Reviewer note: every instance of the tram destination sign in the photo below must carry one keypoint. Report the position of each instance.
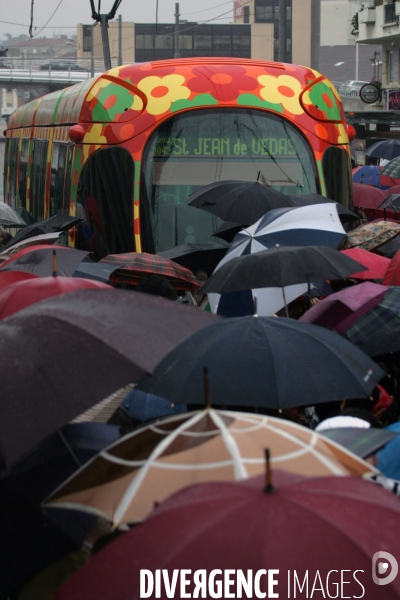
(223, 146)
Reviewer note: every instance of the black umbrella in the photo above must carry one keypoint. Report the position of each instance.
(264, 361)
(30, 539)
(384, 149)
(42, 260)
(196, 257)
(55, 223)
(389, 248)
(63, 355)
(238, 201)
(386, 341)
(228, 230)
(279, 267)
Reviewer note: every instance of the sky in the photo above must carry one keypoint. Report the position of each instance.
(15, 14)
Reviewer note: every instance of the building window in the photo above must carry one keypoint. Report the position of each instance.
(239, 42)
(222, 42)
(202, 42)
(246, 14)
(185, 42)
(144, 42)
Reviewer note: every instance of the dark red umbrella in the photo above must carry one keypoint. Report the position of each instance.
(7, 277)
(376, 265)
(132, 267)
(367, 196)
(39, 260)
(21, 294)
(394, 189)
(317, 525)
(392, 276)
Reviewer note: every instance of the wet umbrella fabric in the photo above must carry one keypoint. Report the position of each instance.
(382, 342)
(367, 196)
(7, 277)
(51, 225)
(280, 267)
(238, 201)
(264, 361)
(31, 538)
(392, 275)
(371, 235)
(65, 354)
(382, 317)
(125, 481)
(367, 175)
(145, 407)
(236, 525)
(345, 215)
(339, 310)
(376, 265)
(197, 257)
(19, 295)
(389, 248)
(44, 238)
(132, 267)
(388, 149)
(9, 217)
(39, 260)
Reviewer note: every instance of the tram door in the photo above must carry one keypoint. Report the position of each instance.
(105, 202)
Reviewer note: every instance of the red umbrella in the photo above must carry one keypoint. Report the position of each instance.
(39, 260)
(319, 525)
(395, 189)
(7, 277)
(376, 265)
(21, 294)
(367, 196)
(130, 268)
(392, 276)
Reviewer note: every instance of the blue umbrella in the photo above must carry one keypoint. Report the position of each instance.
(369, 175)
(145, 407)
(384, 149)
(389, 456)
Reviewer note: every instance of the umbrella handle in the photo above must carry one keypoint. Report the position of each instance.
(206, 381)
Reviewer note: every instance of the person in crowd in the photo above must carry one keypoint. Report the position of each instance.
(5, 237)
(200, 298)
(158, 286)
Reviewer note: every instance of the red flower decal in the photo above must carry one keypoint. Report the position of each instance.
(224, 83)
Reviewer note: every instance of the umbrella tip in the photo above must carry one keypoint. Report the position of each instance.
(206, 387)
(269, 488)
(54, 263)
(255, 307)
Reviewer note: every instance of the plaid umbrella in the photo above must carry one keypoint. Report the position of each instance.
(384, 316)
(371, 235)
(130, 268)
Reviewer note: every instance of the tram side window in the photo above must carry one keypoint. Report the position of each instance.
(22, 172)
(336, 167)
(58, 162)
(5, 166)
(13, 170)
(38, 178)
(68, 175)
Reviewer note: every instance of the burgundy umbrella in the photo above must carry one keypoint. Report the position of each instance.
(320, 525)
(340, 310)
(392, 276)
(367, 196)
(7, 277)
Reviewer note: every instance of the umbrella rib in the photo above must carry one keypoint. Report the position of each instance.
(231, 445)
(137, 481)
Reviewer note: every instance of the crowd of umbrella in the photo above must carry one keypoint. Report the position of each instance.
(79, 355)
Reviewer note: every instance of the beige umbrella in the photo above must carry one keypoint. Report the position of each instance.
(371, 235)
(125, 481)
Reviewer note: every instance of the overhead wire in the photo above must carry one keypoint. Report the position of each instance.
(49, 19)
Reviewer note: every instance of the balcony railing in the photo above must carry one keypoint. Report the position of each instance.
(390, 13)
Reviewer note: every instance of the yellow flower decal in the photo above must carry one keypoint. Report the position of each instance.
(97, 86)
(161, 92)
(343, 138)
(93, 136)
(284, 90)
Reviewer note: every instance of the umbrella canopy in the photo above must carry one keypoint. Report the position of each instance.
(228, 230)
(264, 361)
(392, 168)
(389, 248)
(65, 354)
(51, 225)
(238, 526)
(388, 149)
(145, 407)
(384, 341)
(392, 275)
(238, 201)
(367, 196)
(367, 175)
(9, 217)
(40, 260)
(382, 317)
(197, 257)
(371, 235)
(280, 267)
(376, 265)
(363, 442)
(394, 189)
(21, 294)
(7, 277)
(45, 238)
(345, 215)
(125, 481)
(338, 311)
(132, 267)
(31, 538)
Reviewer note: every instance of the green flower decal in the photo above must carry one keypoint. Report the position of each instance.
(112, 100)
(252, 100)
(200, 100)
(322, 96)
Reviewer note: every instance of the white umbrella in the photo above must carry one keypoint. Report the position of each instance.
(9, 217)
(318, 224)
